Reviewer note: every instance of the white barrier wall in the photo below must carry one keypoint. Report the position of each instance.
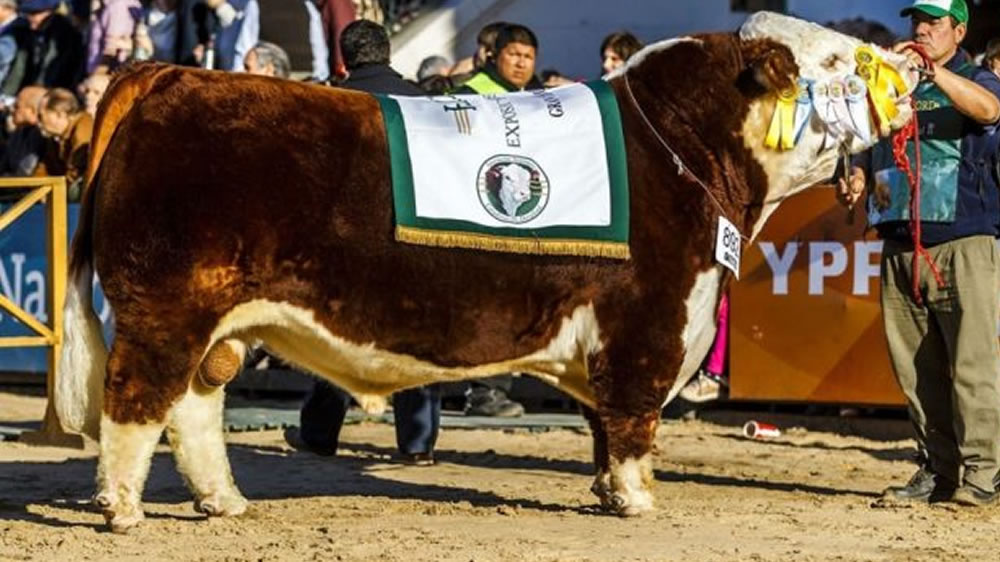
(570, 31)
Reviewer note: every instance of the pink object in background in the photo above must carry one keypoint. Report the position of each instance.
(716, 363)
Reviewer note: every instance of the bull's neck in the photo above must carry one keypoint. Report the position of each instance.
(714, 158)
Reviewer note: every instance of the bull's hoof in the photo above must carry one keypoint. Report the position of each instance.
(623, 507)
(603, 493)
(103, 501)
(222, 505)
(120, 524)
(602, 489)
(120, 517)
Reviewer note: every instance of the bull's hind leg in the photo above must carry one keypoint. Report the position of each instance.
(194, 428)
(139, 388)
(126, 452)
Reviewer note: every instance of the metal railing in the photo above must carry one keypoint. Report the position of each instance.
(51, 192)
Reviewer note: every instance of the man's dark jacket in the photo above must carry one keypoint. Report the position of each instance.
(380, 79)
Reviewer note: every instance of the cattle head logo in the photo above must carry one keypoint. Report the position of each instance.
(512, 189)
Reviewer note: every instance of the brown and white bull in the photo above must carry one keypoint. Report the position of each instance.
(228, 209)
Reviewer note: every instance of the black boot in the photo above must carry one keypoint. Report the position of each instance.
(924, 486)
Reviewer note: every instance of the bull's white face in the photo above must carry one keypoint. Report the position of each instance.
(825, 57)
(515, 187)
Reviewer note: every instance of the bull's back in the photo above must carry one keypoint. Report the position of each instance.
(239, 181)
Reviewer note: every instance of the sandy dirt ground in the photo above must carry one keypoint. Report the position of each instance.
(505, 496)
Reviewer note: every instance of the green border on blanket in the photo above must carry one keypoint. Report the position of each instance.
(606, 241)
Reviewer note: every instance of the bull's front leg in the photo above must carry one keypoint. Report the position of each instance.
(630, 446)
(602, 480)
(627, 416)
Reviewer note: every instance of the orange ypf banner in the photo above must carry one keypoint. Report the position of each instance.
(805, 324)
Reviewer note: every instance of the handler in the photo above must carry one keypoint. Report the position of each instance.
(943, 341)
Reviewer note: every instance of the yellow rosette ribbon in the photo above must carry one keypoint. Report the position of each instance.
(879, 77)
(781, 134)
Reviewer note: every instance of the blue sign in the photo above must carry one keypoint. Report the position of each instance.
(24, 280)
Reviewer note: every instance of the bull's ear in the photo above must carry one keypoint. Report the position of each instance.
(771, 64)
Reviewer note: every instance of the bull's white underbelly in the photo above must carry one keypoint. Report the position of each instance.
(699, 332)
(370, 373)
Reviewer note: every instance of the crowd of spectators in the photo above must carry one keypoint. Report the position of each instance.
(57, 58)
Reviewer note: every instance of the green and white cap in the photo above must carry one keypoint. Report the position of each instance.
(940, 8)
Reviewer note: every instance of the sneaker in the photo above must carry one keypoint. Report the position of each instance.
(973, 496)
(491, 402)
(924, 486)
(704, 387)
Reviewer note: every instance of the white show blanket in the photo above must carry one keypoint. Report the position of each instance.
(460, 148)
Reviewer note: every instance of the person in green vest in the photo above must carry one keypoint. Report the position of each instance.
(942, 338)
(511, 67)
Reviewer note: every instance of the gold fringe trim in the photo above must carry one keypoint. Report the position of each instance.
(537, 246)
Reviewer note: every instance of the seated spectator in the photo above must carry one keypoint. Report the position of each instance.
(92, 90)
(434, 65)
(432, 75)
(268, 59)
(109, 41)
(15, 42)
(57, 54)
(68, 129)
(616, 49)
(160, 33)
(26, 144)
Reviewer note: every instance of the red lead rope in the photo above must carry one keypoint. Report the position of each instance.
(903, 163)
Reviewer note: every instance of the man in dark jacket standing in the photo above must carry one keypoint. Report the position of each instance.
(365, 47)
(940, 313)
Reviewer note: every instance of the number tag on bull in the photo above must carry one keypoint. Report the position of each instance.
(727, 246)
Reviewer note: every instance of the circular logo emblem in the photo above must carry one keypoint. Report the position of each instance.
(512, 189)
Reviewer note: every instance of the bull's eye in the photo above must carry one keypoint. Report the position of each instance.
(832, 61)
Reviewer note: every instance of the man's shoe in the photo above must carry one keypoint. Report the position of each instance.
(295, 440)
(704, 387)
(924, 486)
(417, 459)
(974, 497)
(491, 402)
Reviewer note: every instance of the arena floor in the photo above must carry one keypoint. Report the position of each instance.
(515, 494)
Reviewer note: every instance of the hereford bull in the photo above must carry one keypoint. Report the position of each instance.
(228, 209)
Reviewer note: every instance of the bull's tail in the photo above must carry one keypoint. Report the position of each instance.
(79, 379)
